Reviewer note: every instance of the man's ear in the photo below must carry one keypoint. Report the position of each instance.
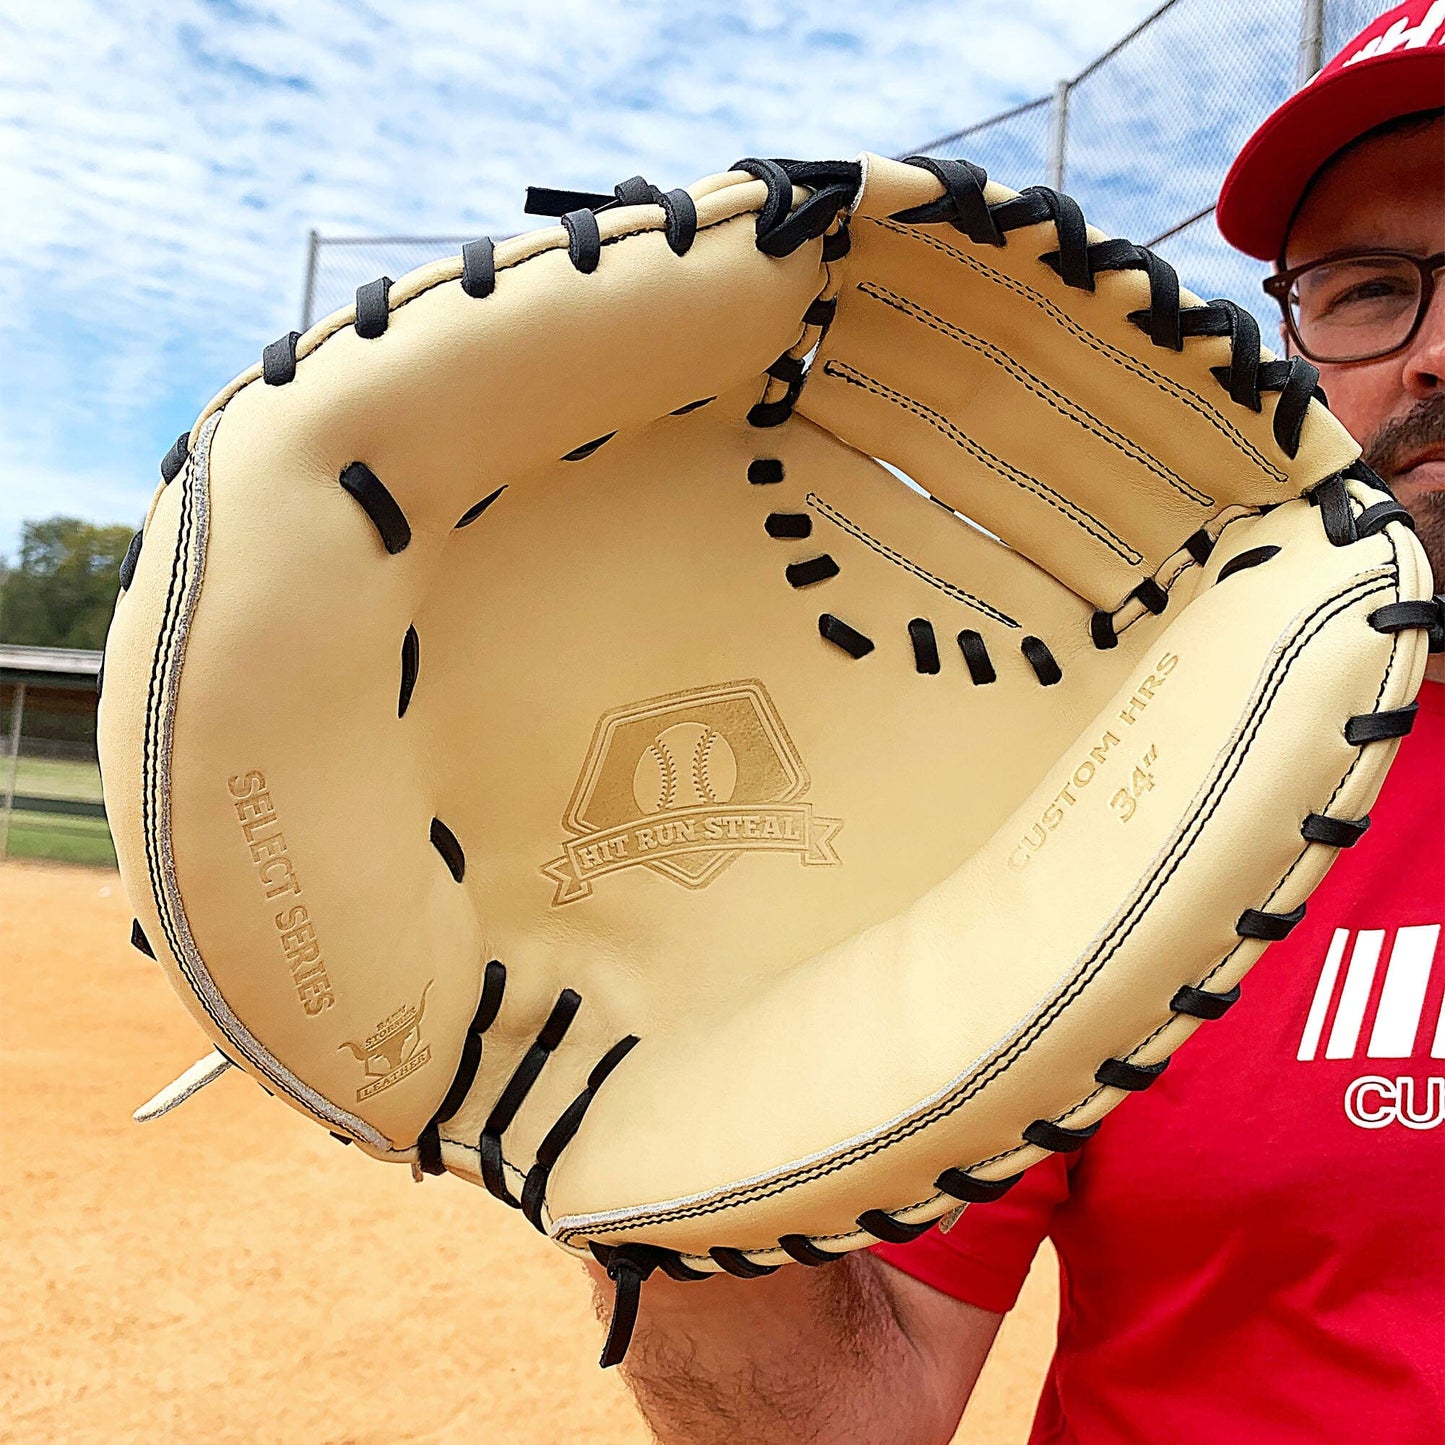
(1283, 339)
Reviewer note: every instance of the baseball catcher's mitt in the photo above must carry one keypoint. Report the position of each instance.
(740, 720)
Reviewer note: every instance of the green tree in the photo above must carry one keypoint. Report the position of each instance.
(61, 589)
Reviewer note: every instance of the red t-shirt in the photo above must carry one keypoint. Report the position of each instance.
(1254, 1249)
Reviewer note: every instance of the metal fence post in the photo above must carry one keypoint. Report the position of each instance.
(12, 766)
(308, 298)
(1311, 41)
(1059, 134)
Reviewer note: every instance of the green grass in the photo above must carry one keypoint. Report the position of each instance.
(55, 779)
(60, 839)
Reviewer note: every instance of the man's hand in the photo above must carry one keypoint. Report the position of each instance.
(855, 1351)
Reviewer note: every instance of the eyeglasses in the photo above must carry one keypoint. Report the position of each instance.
(1357, 307)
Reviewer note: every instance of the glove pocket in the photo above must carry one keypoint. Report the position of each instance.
(1013, 1005)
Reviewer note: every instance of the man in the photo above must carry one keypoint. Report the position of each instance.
(1255, 1249)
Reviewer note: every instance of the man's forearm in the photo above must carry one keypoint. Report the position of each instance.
(804, 1355)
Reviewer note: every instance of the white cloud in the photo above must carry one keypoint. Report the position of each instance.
(163, 160)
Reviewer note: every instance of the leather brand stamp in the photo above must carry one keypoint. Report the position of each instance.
(686, 784)
(393, 1050)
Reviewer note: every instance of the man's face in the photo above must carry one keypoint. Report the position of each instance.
(1389, 193)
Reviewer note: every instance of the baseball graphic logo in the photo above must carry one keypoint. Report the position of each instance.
(684, 786)
(687, 765)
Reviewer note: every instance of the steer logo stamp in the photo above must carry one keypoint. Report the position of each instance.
(392, 1050)
(684, 785)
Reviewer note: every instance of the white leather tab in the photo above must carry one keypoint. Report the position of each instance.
(202, 1072)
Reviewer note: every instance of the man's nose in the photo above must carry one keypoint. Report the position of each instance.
(1425, 360)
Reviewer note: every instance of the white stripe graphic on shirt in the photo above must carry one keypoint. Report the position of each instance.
(1356, 994)
(1402, 999)
(1403, 988)
(1437, 1049)
(1324, 994)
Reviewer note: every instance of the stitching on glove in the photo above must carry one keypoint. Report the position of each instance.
(1057, 1138)
(814, 217)
(811, 571)
(800, 1248)
(976, 658)
(898, 559)
(1040, 388)
(925, 646)
(1253, 557)
(1213, 973)
(377, 502)
(584, 240)
(1392, 579)
(183, 590)
(410, 662)
(175, 459)
(371, 309)
(791, 369)
(1337, 513)
(515, 1091)
(1334, 832)
(477, 276)
(1327, 609)
(445, 842)
(884, 1226)
(788, 526)
(479, 268)
(278, 360)
(428, 1144)
(735, 1262)
(835, 630)
(1165, 322)
(578, 454)
(1082, 519)
(172, 622)
(1106, 625)
(1427, 617)
(561, 1134)
(958, 1184)
(1121, 1074)
(128, 563)
(1317, 828)
(963, 204)
(1036, 650)
(473, 512)
(584, 244)
(1162, 383)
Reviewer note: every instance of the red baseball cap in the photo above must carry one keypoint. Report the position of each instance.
(1393, 67)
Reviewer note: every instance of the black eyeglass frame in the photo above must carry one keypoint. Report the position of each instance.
(1280, 284)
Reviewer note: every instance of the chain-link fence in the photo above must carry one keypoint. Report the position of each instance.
(1141, 137)
(337, 265)
(50, 796)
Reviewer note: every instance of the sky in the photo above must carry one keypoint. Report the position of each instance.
(163, 160)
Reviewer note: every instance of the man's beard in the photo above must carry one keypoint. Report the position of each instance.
(1423, 425)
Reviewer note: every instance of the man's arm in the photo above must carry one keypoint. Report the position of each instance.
(855, 1351)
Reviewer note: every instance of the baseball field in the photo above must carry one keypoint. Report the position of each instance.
(229, 1274)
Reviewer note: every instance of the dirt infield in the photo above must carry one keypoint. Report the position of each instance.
(228, 1274)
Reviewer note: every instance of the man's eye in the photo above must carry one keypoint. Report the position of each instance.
(1379, 288)
(1352, 292)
